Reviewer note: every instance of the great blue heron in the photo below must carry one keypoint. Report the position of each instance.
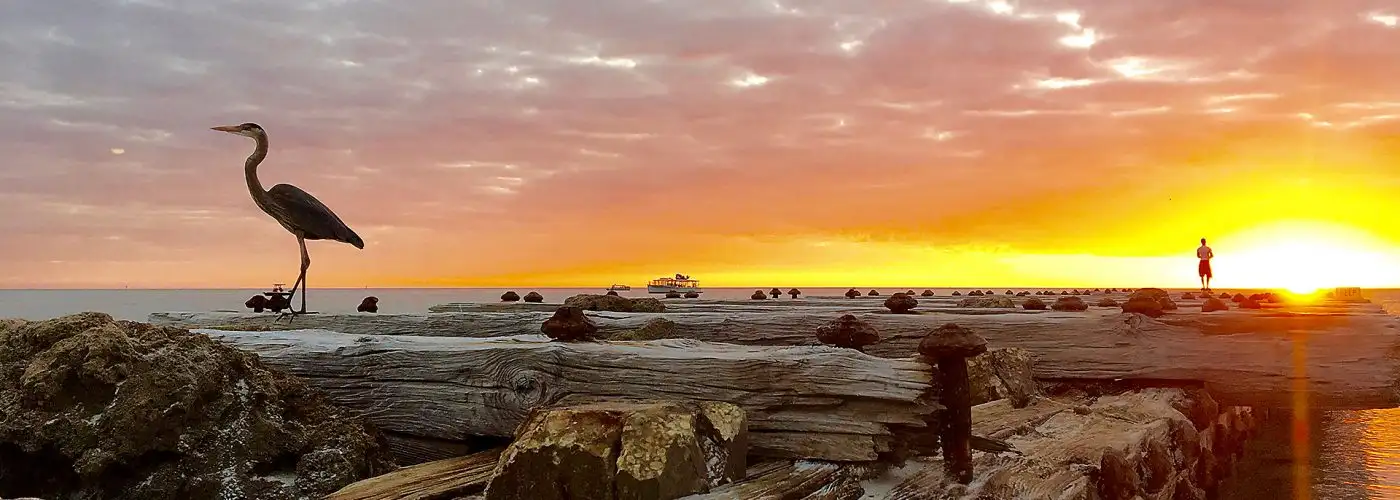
(302, 214)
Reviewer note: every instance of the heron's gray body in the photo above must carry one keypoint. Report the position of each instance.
(296, 210)
(303, 214)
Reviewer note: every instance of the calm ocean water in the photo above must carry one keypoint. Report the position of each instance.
(1354, 455)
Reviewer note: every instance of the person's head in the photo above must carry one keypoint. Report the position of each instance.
(1203, 241)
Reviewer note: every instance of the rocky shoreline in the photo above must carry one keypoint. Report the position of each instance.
(660, 404)
(96, 408)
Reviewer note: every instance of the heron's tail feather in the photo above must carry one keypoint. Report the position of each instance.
(354, 239)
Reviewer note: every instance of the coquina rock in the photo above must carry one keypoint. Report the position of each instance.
(91, 407)
(613, 303)
(623, 450)
(1002, 373)
(987, 301)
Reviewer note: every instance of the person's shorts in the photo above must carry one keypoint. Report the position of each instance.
(1204, 269)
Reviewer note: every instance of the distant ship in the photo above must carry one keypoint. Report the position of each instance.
(619, 288)
(679, 284)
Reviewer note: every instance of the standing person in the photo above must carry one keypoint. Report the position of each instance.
(1205, 254)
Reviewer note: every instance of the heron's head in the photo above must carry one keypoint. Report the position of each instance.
(245, 130)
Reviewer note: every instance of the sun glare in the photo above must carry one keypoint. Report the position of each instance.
(1304, 257)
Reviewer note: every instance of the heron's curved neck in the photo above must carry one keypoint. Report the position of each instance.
(250, 168)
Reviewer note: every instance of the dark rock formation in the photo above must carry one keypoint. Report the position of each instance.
(96, 408)
(277, 303)
(794, 293)
(900, 303)
(257, 303)
(758, 295)
(775, 293)
(534, 297)
(848, 331)
(691, 295)
(612, 293)
(1071, 303)
(673, 294)
(927, 293)
(957, 294)
(569, 324)
(1239, 297)
(873, 293)
(1033, 304)
(1143, 304)
(1151, 293)
(1167, 304)
(1107, 302)
(1118, 479)
(510, 296)
(1213, 304)
(852, 293)
(369, 305)
(975, 293)
(1249, 303)
(1188, 296)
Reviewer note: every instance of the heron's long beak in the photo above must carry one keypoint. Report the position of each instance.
(226, 128)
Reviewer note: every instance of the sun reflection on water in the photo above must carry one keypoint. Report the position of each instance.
(1380, 447)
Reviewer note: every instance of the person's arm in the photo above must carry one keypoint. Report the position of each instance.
(1210, 253)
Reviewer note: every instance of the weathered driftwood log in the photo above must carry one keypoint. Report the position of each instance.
(448, 478)
(801, 401)
(1139, 444)
(806, 480)
(623, 450)
(1347, 346)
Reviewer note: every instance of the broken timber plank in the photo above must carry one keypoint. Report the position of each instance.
(442, 479)
(781, 481)
(801, 401)
(1244, 357)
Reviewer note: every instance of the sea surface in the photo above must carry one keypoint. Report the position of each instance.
(1352, 455)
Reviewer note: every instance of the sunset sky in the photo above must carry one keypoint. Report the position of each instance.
(743, 142)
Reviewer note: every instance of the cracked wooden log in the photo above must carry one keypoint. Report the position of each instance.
(801, 401)
(447, 478)
(1345, 342)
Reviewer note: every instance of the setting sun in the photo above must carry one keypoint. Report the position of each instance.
(1304, 256)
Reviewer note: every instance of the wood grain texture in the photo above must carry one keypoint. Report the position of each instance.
(438, 480)
(1243, 356)
(783, 481)
(802, 401)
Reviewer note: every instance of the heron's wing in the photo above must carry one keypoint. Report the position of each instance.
(313, 218)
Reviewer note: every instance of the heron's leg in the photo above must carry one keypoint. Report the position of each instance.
(300, 284)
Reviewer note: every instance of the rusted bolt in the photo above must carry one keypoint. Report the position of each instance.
(949, 346)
